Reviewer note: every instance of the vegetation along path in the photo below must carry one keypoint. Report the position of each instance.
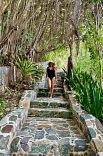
(49, 129)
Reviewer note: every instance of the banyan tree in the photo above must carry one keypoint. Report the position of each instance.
(36, 27)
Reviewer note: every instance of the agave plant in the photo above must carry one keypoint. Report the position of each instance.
(26, 68)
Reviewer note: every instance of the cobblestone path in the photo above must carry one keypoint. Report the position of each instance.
(49, 129)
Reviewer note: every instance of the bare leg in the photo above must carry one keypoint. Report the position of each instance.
(49, 85)
(52, 85)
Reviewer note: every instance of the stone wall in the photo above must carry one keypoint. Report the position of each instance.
(4, 71)
(89, 125)
(13, 122)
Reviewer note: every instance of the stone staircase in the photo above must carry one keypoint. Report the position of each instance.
(50, 129)
(51, 108)
(44, 92)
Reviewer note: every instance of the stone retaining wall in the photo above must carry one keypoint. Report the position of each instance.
(14, 121)
(90, 126)
(4, 75)
(4, 71)
(8, 128)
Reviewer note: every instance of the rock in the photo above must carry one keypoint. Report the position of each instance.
(39, 134)
(91, 132)
(52, 137)
(7, 129)
(7, 109)
(13, 118)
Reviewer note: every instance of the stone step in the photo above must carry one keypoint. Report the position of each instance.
(58, 85)
(59, 82)
(49, 137)
(49, 103)
(45, 94)
(59, 74)
(56, 90)
(50, 112)
(59, 78)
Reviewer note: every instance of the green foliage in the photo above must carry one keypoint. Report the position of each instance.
(88, 92)
(58, 56)
(27, 37)
(84, 63)
(37, 72)
(96, 1)
(93, 41)
(92, 36)
(26, 67)
(2, 104)
(20, 49)
(89, 37)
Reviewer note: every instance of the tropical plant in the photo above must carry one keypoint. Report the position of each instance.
(25, 66)
(37, 74)
(28, 69)
(59, 56)
(88, 92)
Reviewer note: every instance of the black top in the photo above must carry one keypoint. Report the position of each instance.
(50, 73)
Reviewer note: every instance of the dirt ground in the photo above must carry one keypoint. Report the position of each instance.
(10, 100)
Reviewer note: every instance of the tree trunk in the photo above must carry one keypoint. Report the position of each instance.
(97, 20)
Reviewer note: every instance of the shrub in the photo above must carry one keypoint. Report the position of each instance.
(38, 72)
(88, 92)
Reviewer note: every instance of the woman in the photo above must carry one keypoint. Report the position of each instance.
(51, 75)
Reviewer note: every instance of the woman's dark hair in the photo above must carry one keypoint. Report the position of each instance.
(51, 64)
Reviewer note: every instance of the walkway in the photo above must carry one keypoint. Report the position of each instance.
(49, 129)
